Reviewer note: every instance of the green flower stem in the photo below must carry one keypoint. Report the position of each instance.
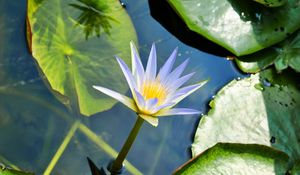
(106, 147)
(118, 163)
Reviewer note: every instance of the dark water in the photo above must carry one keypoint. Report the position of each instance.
(33, 123)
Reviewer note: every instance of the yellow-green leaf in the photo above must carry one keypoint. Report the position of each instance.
(74, 43)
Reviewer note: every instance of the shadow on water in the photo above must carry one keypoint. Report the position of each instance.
(94, 16)
(165, 15)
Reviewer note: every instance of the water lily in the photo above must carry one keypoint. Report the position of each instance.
(154, 95)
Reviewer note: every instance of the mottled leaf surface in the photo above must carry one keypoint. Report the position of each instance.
(262, 109)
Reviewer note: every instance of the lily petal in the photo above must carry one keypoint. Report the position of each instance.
(151, 65)
(152, 120)
(180, 94)
(151, 103)
(175, 74)
(121, 98)
(140, 100)
(157, 108)
(128, 75)
(137, 66)
(177, 111)
(179, 82)
(166, 68)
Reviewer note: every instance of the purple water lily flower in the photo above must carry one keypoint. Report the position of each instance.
(154, 95)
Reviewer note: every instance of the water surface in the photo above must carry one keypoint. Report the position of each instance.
(33, 123)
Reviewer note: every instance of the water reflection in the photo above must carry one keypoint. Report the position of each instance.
(94, 16)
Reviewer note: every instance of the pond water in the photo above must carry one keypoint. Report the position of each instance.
(33, 123)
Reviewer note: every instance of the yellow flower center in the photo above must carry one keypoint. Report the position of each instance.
(154, 90)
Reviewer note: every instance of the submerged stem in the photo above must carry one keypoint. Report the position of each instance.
(118, 163)
(61, 148)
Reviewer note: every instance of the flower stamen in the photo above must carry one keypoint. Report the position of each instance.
(154, 90)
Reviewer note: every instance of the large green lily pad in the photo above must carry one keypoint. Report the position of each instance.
(283, 55)
(243, 26)
(74, 43)
(229, 159)
(262, 109)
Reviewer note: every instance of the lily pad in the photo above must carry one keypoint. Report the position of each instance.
(243, 26)
(283, 55)
(229, 158)
(74, 43)
(262, 109)
(8, 171)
